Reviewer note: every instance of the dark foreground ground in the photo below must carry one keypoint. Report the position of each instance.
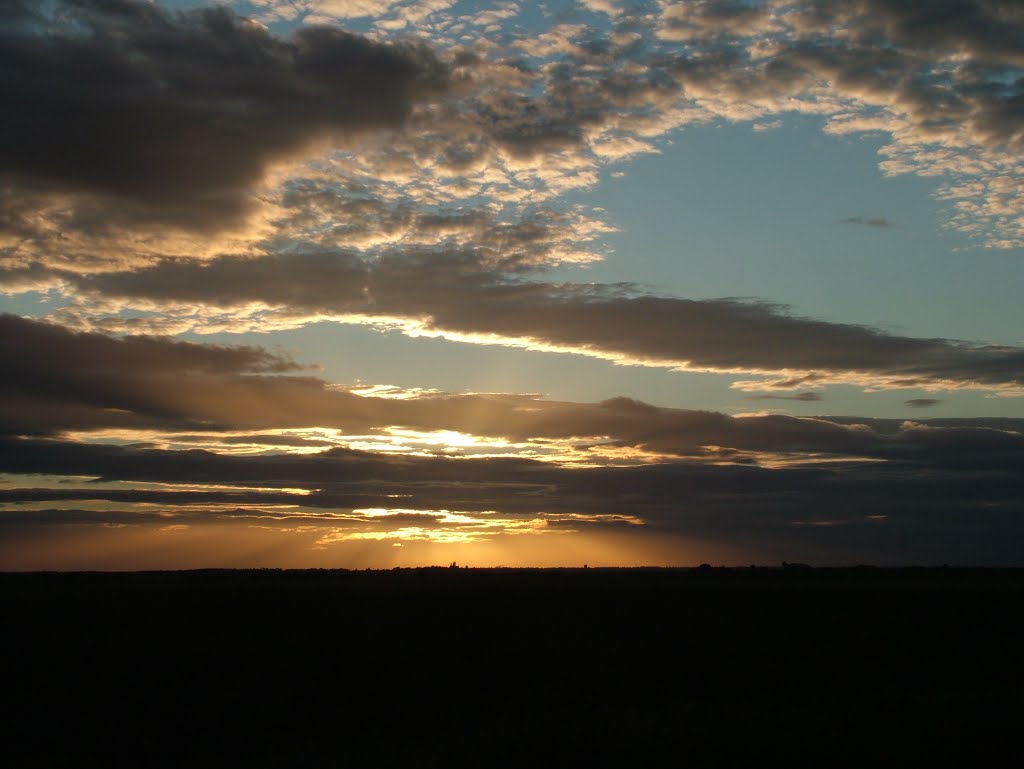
(624, 667)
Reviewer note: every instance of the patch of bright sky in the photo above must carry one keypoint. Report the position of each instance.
(350, 354)
(32, 304)
(729, 211)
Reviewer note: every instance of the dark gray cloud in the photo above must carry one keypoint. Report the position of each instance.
(873, 50)
(868, 221)
(32, 345)
(806, 397)
(432, 482)
(940, 490)
(176, 115)
(988, 30)
(207, 388)
(898, 511)
(455, 292)
(922, 403)
(148, 496)
(58, 379)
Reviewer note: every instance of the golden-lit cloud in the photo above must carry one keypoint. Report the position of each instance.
(249, 400)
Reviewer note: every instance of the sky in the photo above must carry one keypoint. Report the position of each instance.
(378, 283)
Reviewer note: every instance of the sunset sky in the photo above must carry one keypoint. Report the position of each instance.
(376, 283)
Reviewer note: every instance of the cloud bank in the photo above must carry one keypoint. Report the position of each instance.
(150, 438)
(454, 295)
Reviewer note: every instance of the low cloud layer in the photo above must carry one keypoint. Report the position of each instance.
(209, 388)
(840, 514)
(829, 489)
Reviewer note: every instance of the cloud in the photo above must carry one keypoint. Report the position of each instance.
(963, 513)
(497, 122)
(749, 481)
(607, 7)
(319, 212)
(175, 117)
(59, 382)
(943, 84)
(876, 221)
(511, 126)
(942, 80)
(59, 379)
(37, 346)
(453, 294)
(922, 403)
(713, 19)
(805, 397)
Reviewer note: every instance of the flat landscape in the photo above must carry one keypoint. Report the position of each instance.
(725, 665)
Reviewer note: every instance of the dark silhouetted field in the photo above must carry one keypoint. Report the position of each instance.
(632, 667)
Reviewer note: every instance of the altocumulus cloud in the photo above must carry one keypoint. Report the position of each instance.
(524, 119)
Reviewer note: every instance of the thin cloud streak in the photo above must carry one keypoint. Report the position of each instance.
(804, 397)
(868, 221)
